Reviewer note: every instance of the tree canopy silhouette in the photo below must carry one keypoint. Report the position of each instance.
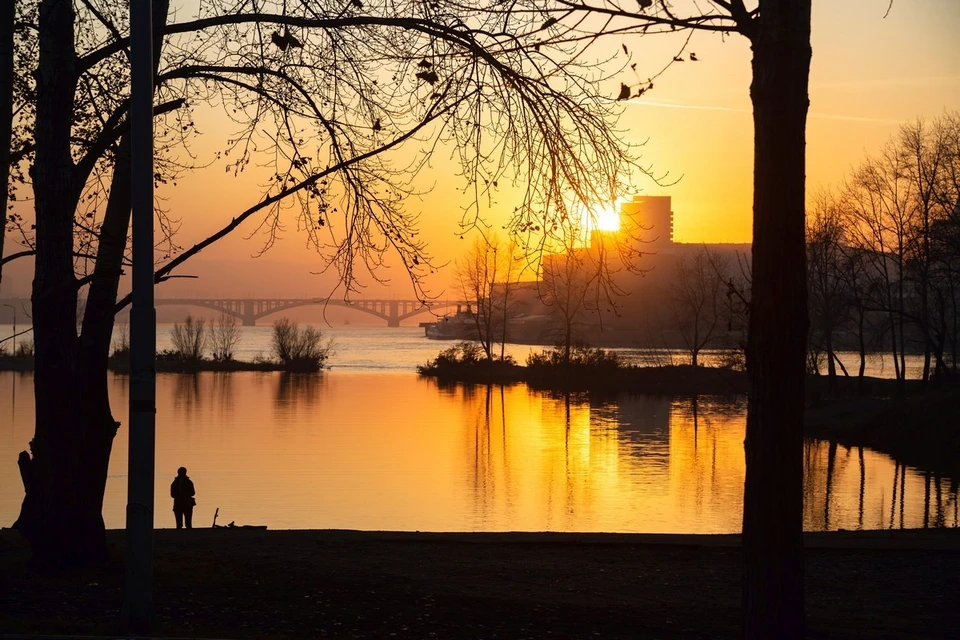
(324, 94)
(779, 36)
(502, 82)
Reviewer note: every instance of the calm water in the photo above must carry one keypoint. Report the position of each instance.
(369, 445)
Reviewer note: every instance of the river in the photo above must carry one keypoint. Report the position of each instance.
(370, 445)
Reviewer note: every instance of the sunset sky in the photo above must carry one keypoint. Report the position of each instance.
(869, 74)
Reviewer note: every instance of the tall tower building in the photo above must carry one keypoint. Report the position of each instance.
(651, 219)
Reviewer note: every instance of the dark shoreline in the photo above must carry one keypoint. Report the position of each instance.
(921, 430)
(350, 584)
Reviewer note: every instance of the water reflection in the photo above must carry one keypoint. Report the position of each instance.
(392, 451)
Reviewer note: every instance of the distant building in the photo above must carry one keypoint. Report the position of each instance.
(649, 218)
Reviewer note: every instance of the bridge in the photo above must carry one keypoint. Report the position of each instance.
(249, 310)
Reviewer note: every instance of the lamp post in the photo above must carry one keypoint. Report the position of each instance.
(138, 595)
(14, 326)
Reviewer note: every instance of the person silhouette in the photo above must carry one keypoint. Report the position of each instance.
(182, 492)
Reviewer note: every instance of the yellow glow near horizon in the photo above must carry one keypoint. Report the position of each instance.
(608, 219)
(604, 218)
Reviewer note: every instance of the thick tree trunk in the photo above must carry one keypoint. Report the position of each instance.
(7, 15)
(98, 320)
(75, 429)
(59, 520)
(773, 488)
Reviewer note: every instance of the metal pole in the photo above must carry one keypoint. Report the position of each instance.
(138, 597)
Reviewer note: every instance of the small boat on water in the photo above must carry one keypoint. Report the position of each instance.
(460, 326)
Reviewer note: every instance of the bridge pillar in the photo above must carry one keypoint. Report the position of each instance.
(249, 314)
(394, 319)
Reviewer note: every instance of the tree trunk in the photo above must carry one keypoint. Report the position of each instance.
(75, 427)
(773, 488)
(7, 16)
(100, 311)
(60, 515)
(901, 386)
(862, 346)
(831, 362)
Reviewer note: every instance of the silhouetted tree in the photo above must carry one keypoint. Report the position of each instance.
(485, 276)
(880, 203)
(825, 282)
(900, 206)
(779, 35)
(224, 337)
(189, 339)
(336, 88)
(571, 286)
(699, 289)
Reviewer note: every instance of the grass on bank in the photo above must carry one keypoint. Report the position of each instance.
(294, 349)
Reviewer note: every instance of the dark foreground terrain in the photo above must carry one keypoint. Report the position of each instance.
(331, 584)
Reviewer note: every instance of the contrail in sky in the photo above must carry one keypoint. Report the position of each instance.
(812, 114)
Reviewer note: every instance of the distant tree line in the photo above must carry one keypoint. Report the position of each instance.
(883, 255)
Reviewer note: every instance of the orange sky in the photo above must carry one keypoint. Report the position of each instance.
(869, 73)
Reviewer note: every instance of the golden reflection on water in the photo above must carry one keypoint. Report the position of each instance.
(393, 451)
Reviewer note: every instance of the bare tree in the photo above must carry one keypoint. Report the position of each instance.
(189, 339)
(900, 203)
(881, 203)
(485, 277)
(570, 285)
(511, 262)
(826, 286)
(299, 349)
(321, 96)
(779, 36)
(224, 337)
(698, 292)
(476, 275)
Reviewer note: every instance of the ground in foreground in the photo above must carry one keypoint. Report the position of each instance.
(332, 584)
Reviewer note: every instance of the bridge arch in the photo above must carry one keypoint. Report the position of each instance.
(249, 310)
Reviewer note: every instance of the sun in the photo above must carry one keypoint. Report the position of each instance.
(606, 218)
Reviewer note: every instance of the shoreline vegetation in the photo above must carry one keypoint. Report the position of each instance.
(913, 422)
(294, 349)
(319, 584)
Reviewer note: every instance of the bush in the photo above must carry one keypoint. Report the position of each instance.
(467, 362)
(24, 349)
(299, 349)
(733, 360)
(189, 339)
(581, 357)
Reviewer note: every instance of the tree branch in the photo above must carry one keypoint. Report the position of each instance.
(163, 273)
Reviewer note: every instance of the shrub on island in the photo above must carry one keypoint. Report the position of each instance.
(466, 362)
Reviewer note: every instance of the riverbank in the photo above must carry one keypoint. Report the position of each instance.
(918, 429)
(341, 584)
